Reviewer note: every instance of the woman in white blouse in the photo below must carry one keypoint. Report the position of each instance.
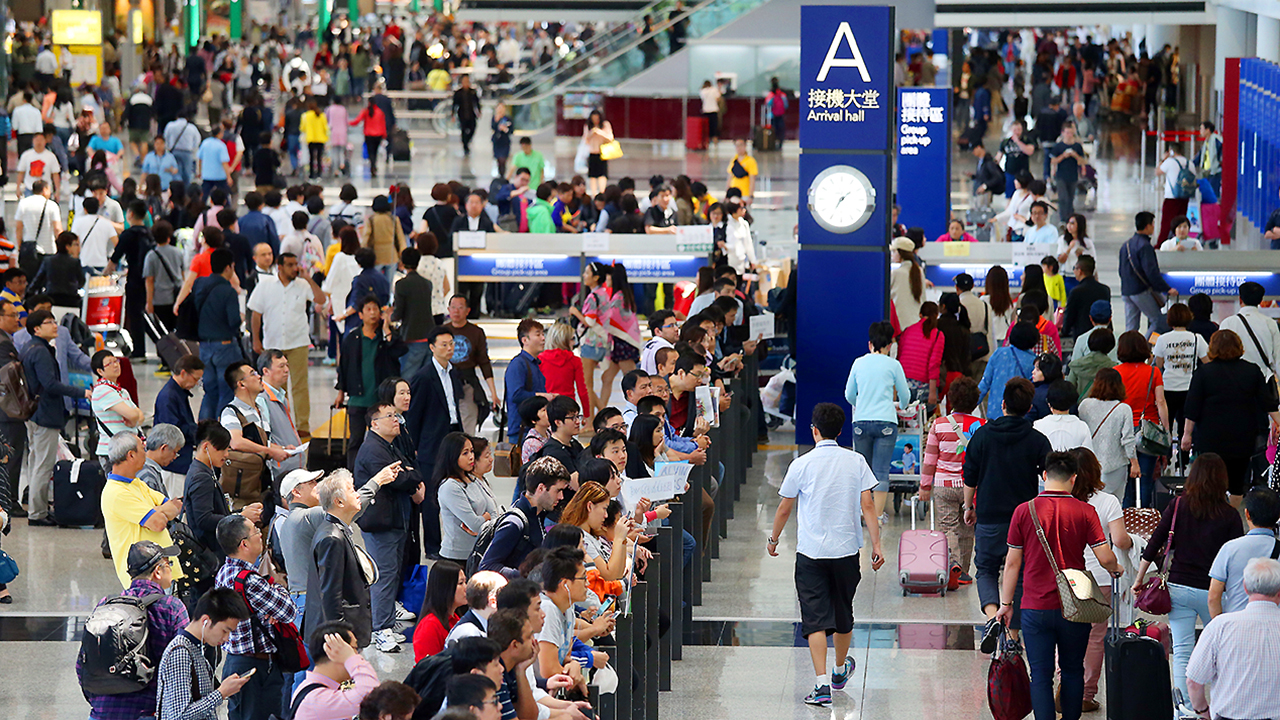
(337, 285)
(433, 269)
(1017, 212)
(740, 248)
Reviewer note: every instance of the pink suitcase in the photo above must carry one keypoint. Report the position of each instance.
(1210, 221)
(923, 561)
(912, 636)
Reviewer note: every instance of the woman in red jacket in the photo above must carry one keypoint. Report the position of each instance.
(562, 368)
(920, 352)
(375, 131)
(446, 595)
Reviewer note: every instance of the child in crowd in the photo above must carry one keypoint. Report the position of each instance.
(1054, 285)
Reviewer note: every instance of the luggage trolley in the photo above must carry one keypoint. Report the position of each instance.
(103, 311)
(913, 430)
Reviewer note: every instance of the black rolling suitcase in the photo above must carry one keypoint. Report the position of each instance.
(1138, 684)
(169, 346)
(400, 148)
(77, 493)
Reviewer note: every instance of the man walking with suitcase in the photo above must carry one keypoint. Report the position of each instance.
(830, 488)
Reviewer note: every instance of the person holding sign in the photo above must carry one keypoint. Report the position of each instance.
(830, 489)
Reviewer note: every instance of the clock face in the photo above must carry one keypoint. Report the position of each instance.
(841, 199)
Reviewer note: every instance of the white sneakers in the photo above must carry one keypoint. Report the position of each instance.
(404, 615)
(388, 641)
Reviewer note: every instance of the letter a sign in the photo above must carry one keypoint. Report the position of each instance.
(845, 35)
(846, 93)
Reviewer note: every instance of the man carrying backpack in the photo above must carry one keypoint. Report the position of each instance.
(1179, 185)
(106, 643)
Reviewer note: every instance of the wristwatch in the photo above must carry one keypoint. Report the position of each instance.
(772, 541)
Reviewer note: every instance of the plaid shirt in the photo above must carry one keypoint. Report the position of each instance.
(268, 602)
(166, 617)
(184, 668)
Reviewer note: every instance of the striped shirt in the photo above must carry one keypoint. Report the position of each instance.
(943, 451)
(1237, 655)
(106, 396)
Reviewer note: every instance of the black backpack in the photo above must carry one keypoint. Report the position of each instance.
(113, 648)
(485, 538)
(428, 678)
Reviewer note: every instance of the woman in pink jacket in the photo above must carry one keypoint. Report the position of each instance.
(920, 352)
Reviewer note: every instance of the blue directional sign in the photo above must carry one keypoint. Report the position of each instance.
(517, 267)
(846, 77)
(924, 158)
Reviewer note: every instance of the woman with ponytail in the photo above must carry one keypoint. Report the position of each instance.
(920, 352)
(906, 284)
(593, 338)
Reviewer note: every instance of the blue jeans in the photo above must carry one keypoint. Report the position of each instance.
(262, 696)
(1045, 632)
(1008, 185)
(874, 440)
(208, 186)
(1147, 464)
(387, 551)
(990, 547)
(414, 358)
(186, 165)
(390, 271)
(293, 143)
(1188, 602)
(217, 357)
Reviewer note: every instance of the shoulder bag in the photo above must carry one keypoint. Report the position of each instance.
(1152, 438)
(1153, 597)
(979, 347)
(1154, 293)
(291, 651)
(245, 478)
(1272, 389)
(1081, 599)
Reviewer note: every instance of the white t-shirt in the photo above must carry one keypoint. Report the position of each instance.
(38, 166)
(1171, 245)
(827, 483)
(1065, 432)
(30, 209)
(710, 99)
(284, 312)
(1108, 507)
(1171, 167)
(96, 235)
(1176, 349)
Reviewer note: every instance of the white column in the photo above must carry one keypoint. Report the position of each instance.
(1269, 38)
(1160, 35)
(1230, 40)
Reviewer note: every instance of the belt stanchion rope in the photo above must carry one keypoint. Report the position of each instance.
(668, 601)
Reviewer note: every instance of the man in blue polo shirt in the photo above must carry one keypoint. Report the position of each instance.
(1226, 575)
(213, 162)
(524, 377)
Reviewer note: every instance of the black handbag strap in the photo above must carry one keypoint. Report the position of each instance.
(1104, 417)
(303, 692)
(1275, 553)
(40, 225)
(1245, 321)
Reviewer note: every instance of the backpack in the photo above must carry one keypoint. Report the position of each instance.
(778, 103)
(1184, 186)
(485, 538)
(15, 399)
(113, 648)
(428, 678)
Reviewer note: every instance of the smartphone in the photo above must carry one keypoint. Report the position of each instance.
(607, 605)
(249, 674)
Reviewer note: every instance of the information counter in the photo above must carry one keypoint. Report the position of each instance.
(561, 257)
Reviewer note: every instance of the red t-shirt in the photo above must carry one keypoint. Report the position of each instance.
(428, 637)
(1136, 378)
(200, 263)
(1070, 526)
(678, 412)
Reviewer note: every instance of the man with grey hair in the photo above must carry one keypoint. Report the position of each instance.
(274, 409)
(163, 443)
(1239, 652)
(132, 511)
(339, 587)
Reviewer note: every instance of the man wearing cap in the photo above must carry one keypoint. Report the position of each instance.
(151, 568)
(131, 510)
(1083, 297)
(1099, 316)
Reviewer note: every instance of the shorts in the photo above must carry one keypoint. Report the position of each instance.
(825, 589)
(597, 166)
(624, 351)
(713, 124)
(141, 137)
(594, 353)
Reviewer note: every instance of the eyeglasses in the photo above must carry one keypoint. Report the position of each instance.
(494, 701)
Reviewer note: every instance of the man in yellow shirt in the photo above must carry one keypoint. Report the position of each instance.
(743, 170)
(132, 511)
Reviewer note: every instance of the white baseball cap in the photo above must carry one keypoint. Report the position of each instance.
(296, 478)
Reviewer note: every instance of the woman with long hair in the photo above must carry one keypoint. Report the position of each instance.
(650, 446)
(375, 131)
(920, 351)
(404, 209)
(1202, 521)
(502, 126)
(624, 331)
(1033, 279)
(1089, 488)
(464, 505)
(588, 510)
(442, 604)
(1144, 393)
(1003, 313)
(906, 284)
(154, 196)
(1114, 438)
(1075, 242)
(597, 132)
(434, 269)
(337, 284)
(593, 344)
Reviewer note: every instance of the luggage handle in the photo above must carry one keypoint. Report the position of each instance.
(913, 500)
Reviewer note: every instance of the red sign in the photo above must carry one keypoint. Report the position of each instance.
(104, 310)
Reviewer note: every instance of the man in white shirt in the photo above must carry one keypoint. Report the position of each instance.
(97, 236)
(1173, 164)
(280, 322)
(666, 330)
(830, 488)
(38, 163)
(635, 385)
(1258, 332)
(26, 122)
(183, 139)
(46, 67)
(1040, 231)
(1064, 430)
(38, 220)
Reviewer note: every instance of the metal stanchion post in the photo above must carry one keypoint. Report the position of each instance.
(650, 670)
(639, 650)
(715, 455)
(670, 602)
(679, 583)
(693, 523)
(624, 662)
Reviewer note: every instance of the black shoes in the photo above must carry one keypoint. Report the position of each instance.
(991, 636)
(46, 521)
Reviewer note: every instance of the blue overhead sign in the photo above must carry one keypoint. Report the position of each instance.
(924, 158)
(846, 77)
(655, 268)
(519, 267)
(1220, 283)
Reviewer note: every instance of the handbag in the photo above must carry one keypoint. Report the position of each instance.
(1008, 684)
(1152, 438)
(1082, 600)
(1153, 596)
(291, 652)
(8, 568)
(978, 344)
(611, 150)
(199, 564)
(414, 588)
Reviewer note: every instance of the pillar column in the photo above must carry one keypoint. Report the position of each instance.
(1269, 38)
(1230, 40)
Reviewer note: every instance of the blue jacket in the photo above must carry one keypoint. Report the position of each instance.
(219, 308)
(369, 282)
(513, 541)
(173, 406)
(1138, 253)
(44, 381)
(258, 227)
(1006, 364)
(523, 380)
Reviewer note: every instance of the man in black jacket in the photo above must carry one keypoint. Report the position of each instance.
(206, 503)
(518, 534)
(385, 523)
(44, 381)
(339, 588)
(466, 107)
(1002, 467)
(412, 309)
(1076, 321)
(434, 411)
(988, 178)
(369, 345)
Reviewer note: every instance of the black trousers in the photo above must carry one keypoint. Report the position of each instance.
(135, 306)
(358, 419)
(317, 158)
(468, 132)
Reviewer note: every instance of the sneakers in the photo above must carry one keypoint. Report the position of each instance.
(404, 615)
(821, 696)
(953, 581)
(884, 519)
(966, 578)
(840, 677)
(387, 641)
(991, 636)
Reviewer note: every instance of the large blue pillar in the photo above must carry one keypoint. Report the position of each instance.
(846, 180)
